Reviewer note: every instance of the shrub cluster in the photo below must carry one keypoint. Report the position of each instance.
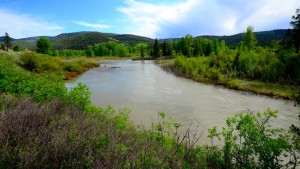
(43, 63)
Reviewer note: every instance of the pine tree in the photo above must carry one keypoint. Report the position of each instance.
(296, 31)
(7, 41)
(156, 48)
(142, 51)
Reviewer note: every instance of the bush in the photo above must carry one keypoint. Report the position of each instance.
(29, 60)
(250, 142)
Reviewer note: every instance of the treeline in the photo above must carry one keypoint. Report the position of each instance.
(110, 48)
(210, 60)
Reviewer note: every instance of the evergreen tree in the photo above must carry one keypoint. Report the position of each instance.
(164, 48)
(43, 45)
(296, 29)
(249, 38)
(287, 41)
(142, 51)
(216, 45)
(169, 48)
(7, 41)
(196, 47)
(156, 48)
(209, 48)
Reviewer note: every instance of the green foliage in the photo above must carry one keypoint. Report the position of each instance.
(249, 142)
(156, 49)
(40, 63)
(78, 41)
(249, 38)
(189, 46)
(43, 63)
(17, 48)
(80, 96)
(15, 81)
(7, 41)
(296, 29)
(43, 45)
(167, 49)
(268, 64)
(2, 47)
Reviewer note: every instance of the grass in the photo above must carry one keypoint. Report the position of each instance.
(270, 89)
(275, 90)
(75, 67)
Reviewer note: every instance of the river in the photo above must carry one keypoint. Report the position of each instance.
(146, 89)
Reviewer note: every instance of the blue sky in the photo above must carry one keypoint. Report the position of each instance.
(150, 18)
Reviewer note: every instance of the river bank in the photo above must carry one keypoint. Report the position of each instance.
(274, 90)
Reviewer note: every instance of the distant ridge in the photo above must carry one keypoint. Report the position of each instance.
(81, 40)
(263, 38)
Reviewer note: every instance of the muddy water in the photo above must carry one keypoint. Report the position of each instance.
(146, 89)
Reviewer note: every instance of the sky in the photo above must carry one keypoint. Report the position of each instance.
(149, 18)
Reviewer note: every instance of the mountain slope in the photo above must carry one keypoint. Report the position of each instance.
(129, 39)
(78, 41)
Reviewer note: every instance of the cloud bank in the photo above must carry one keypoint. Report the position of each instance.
(207, 17)
(21, 25)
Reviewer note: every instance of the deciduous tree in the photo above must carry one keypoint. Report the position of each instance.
(249, 38)
(43, 45)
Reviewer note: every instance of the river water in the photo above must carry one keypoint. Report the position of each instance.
(146, 89)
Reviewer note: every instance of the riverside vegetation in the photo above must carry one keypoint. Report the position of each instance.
(43, 125)
(272, 70)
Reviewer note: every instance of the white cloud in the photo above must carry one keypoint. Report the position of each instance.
(90, 25)
(22, 25)
(200, 17)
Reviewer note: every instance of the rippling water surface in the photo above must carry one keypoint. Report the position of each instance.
(146, 89)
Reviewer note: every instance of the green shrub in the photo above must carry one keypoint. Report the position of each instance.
(250, 142)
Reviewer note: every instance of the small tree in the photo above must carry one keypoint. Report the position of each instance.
(249, 38)
(296, 31)
(43, 45)
(17, 48)
(7, 41)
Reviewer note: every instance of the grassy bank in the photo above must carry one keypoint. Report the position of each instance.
(43, 125)
(213, 76)
(40, 63)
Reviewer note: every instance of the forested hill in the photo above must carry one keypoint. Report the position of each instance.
(78, 40)
(81, 40)
(263, 38)
(129, 39)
